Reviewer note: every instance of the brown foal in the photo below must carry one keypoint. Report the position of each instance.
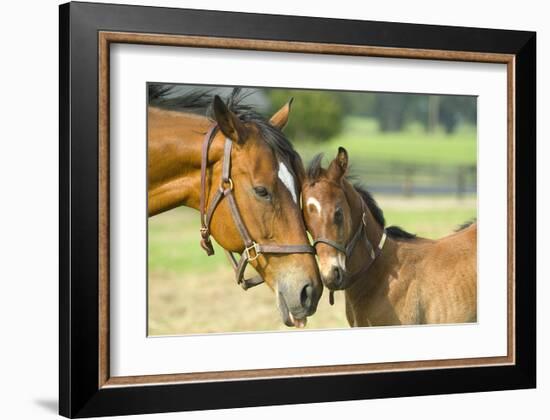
(390, 277)
(264, 180)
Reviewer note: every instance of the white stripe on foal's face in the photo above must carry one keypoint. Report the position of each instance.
(288, 180)
(328, 261)
(315, 203)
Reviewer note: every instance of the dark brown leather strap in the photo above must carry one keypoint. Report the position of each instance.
(226, 169)
(206, 243)
(240, 267)
(374, 254)
(285, 249)
(213, 205)
(347, 249)
(252, 250)
(350, 246)
(238, 220)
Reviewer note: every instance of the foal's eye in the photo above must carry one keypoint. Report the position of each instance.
(338, 216)
(262, 192)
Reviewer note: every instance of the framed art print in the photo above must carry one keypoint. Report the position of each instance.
(260, 209)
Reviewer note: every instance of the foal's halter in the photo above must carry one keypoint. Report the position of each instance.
(252, 249)
(348, 248)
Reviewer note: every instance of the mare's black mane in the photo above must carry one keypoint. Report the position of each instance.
(199, 101)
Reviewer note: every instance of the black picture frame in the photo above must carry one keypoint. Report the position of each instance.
(80, 393)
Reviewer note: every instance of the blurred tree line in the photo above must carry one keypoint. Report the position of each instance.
(319, 115)
(316, 114)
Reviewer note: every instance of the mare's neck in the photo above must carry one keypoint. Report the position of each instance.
(174, 146)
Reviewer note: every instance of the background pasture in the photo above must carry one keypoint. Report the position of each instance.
(422, 174)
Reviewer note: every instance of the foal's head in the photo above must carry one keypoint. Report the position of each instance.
(266, 174)
(332, 210)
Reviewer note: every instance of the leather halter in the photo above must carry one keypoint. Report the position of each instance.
(348, 248)
(252, 249)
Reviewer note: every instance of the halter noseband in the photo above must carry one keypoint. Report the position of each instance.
(348, 249)
(252, 249)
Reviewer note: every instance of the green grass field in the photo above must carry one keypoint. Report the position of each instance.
(364, 142)
(192, 293)
(176, 231)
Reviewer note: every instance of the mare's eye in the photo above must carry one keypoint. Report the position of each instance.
(262, 192)
(338, 216)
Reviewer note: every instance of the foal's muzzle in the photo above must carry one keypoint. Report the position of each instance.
(335, 279)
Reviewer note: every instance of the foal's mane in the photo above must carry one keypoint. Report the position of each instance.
(199, 101)
(315, 171)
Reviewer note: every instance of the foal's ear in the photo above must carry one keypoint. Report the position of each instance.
(230, 125)
(280, 118)
(339, 165)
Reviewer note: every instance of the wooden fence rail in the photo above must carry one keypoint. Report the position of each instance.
(411, 179)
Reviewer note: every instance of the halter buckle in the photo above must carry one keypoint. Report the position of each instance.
(254, 247)
(364, 219)
(225, 182)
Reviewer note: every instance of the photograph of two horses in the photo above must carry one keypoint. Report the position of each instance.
(276, 209)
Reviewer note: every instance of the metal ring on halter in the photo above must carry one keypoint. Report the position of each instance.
(225, 182)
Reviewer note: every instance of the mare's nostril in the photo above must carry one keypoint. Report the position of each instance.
(306, 296)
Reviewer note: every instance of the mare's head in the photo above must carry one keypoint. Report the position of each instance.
(266, 174)
(330, 212)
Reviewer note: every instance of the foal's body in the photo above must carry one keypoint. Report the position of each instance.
(402, 279)
(417, 281)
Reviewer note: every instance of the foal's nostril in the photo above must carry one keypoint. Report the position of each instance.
(306, 296)
(337, 275)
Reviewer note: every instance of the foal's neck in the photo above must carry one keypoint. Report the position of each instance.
(369, 274)
(174, 144)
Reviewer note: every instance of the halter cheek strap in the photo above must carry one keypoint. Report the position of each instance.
(252, 249)
(348, 249)
(206, 243)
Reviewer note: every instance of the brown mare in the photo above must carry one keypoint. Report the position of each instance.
(265, 176)
(390, 277)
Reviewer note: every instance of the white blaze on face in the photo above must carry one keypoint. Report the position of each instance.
(288, 180)
(315, 203)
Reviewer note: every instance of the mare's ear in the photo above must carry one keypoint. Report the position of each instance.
(339, 165)
(280, 118)
(230, 125)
